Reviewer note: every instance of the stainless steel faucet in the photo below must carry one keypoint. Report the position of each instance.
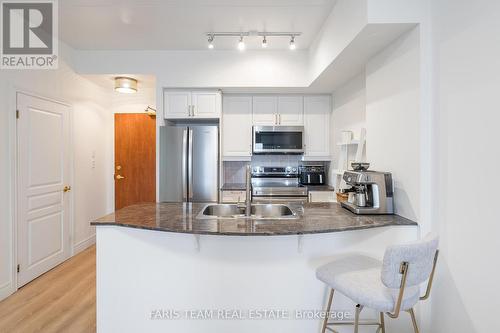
(248, 199)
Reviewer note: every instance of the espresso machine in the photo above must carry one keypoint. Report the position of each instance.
(374, 192)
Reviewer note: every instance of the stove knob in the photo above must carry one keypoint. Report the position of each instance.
(294, 169)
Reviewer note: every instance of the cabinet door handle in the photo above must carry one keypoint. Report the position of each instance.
(279, 119)
(192, 110)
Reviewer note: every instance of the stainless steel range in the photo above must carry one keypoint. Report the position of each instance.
(277, 184)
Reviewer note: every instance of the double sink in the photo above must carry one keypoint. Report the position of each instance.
(258, 212)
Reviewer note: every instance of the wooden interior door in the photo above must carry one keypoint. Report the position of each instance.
(135, 159)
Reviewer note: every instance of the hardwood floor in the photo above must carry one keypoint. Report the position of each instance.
(61, 300)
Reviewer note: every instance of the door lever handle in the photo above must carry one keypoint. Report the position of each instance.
(66, 189)
(118, 177)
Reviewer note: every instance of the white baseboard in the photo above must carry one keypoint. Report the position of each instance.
(6, 290)
(82, 245)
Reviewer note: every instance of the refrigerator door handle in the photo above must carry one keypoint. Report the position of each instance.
(184, 165)
(190, 164)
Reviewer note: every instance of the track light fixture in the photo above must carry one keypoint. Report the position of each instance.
(292, 43)
(264, 34)
(264, 42)
(210, 42)
(241, 44)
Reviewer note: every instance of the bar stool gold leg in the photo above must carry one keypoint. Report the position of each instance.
(329, 306)
(356, 318)
(413, 320)
(382, 323)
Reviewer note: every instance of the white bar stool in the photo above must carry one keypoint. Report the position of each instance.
(390, 286)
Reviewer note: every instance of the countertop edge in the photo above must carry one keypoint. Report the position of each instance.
(246, 234)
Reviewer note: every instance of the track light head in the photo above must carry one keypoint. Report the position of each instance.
(210, 42)
(264, 42)
(292, 43)
(241, 44)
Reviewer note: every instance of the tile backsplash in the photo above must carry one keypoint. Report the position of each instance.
(234, 172)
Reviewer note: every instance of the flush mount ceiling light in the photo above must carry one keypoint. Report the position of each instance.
(125, 85)
(263, 34)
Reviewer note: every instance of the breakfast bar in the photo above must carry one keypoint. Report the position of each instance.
(190, 273)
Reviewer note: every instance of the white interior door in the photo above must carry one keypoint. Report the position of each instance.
(43, 134)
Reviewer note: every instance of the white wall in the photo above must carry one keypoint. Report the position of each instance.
(347, 19)
(349, 113)
(134, 103)
(467, 81)
(92, 121)
(93, 169)
(393, 119)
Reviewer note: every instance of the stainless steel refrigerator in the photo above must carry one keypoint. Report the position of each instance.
(189, 163)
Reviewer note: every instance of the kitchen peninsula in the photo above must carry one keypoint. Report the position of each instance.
(172, 262)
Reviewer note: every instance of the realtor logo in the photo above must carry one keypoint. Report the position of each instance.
(29, 34)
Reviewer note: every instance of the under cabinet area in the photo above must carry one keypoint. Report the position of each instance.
(233, 196)
(322, 196)
(192, 104)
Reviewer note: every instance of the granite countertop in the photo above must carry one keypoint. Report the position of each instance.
(181, 218)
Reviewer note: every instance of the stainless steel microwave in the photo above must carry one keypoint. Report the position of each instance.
(278, 139)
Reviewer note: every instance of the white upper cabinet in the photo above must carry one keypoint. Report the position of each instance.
(317, 127)
(278, 110)
(192, 104)
(265, 110)
(237, 128)
(177, 104)
(206, 104)
(291, 110)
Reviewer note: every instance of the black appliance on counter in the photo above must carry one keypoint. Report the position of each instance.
(312, 175)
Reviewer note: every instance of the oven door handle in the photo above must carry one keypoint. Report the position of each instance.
(279, 199)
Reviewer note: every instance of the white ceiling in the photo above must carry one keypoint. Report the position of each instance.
(182, 24)
(107, 81)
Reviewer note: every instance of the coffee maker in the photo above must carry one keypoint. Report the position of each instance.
(374, 192)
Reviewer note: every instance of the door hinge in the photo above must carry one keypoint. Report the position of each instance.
(17, 114)
(18, 268)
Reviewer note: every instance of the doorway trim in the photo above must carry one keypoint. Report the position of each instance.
(14, 176)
